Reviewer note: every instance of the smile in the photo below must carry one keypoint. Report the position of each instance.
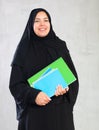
(42, 29)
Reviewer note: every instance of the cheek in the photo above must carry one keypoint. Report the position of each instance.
(35, 27)
(48, 26)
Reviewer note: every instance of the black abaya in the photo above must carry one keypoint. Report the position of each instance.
(33, 54)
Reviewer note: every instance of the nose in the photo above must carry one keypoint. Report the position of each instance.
(42, 22)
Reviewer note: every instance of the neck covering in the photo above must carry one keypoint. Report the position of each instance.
(37, 51)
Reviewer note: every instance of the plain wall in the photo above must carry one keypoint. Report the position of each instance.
(76, 22)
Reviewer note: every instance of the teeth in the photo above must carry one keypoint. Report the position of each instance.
(42, 29)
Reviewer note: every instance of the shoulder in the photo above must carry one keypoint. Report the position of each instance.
(61, 43)
(60, 40)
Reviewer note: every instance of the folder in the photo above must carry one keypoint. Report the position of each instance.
(49, 81)
(58, 66)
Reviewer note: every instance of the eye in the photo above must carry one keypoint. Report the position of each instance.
(36, 21)
(46, 20)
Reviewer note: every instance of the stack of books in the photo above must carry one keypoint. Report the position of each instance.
(56, 73)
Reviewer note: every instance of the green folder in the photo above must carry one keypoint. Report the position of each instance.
(63, 68)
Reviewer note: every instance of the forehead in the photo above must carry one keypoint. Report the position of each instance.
(41, 14)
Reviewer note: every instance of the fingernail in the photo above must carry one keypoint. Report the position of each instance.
(50, 99)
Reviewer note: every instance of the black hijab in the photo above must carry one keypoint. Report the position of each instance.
(34, 51)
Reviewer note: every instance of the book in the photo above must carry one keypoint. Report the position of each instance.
(63, 68)
(49, 81)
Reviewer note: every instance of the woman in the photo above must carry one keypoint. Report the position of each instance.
(39, 46)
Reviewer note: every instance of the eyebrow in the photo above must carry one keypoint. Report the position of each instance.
(39, 18)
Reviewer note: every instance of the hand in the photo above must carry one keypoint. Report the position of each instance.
(42, 99)
(60, 90)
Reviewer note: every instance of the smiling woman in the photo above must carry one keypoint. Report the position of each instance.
(41, 24)
(39, 46)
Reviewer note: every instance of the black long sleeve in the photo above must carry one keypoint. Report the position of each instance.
(74, 87)
(20, 89)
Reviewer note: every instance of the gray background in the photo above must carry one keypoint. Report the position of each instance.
(76, 22)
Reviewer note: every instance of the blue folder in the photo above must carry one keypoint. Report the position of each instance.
(49, 81)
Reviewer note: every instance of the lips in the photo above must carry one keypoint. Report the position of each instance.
(42, 29)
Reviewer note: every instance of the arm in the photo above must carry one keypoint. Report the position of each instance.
(20, 89)
(74, 87)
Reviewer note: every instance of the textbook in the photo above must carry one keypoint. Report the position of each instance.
(58, 66)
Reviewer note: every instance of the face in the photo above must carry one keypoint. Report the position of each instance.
(41, 25)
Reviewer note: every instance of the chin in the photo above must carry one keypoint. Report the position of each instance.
(43, 35)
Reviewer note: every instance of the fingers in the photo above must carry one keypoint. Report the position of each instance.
(60, 90)
(67, 89)
(42, 99)
(46, 99)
